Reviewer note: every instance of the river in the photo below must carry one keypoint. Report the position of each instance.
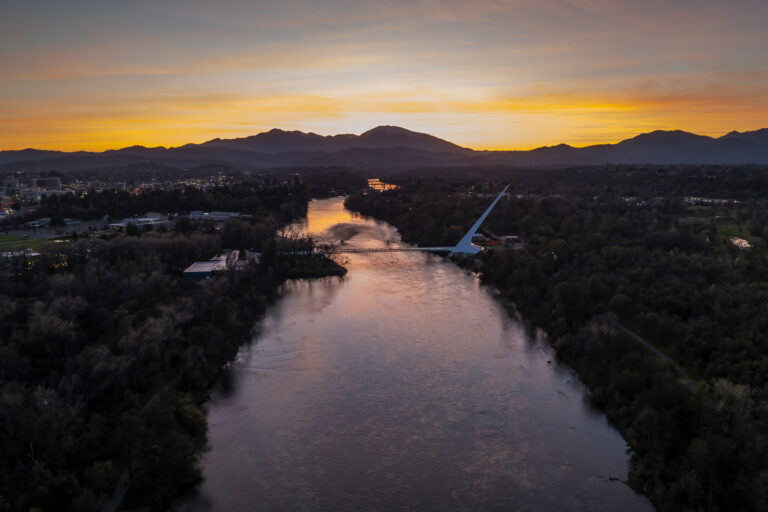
(402, 386)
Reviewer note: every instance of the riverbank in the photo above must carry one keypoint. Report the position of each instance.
(586, 264)
(402, 385)
(191, 388)
(325, 267)
(107, 358)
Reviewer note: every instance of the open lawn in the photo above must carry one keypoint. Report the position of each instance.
(36, 245)
(729, 230)
(9, 238)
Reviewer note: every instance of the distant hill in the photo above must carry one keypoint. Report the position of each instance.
(279, 141)
(757, 136)
(395, 148)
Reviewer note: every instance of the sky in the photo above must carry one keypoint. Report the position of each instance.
(487, 74)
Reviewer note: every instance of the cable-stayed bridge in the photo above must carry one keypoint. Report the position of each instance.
(391, 249)
(465, 245)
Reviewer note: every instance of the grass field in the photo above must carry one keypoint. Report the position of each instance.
(729, 230)
(10, 238)
(17, 243)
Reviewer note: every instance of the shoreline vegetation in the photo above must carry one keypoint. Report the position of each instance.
(597, 249)
(107, 353)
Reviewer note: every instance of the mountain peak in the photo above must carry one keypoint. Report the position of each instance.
(387, 129)
(664, 133)
(277, 141)
(661, 138)
(388, 146)
(280, 131)
(756, 137)
(395, 136)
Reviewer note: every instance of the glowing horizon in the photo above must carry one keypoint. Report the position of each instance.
(493, 74)
(476, 148)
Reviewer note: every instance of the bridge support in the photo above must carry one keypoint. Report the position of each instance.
(465, 245)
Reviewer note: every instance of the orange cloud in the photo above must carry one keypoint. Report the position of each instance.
(525, 121)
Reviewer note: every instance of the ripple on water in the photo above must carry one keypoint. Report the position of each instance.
(403, 386)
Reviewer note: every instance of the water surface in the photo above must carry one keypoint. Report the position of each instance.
(402, 386)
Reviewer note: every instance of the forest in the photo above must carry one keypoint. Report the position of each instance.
(605, 249)
(260, 199)
(106, 353)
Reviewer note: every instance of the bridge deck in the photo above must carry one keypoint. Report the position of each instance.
(465, 245)
(393, 249)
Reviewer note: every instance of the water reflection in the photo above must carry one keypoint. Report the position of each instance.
(324, 215)
(404, 386)
(380, 186)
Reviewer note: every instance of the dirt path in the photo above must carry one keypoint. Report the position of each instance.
(679, 369)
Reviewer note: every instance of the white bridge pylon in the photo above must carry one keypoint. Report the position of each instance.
(465, 245)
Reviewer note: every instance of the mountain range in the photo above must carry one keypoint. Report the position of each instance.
(395, 148)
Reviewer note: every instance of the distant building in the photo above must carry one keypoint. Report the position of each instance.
(709, 201)
(199, 215)
(380, 186)
(15, 261)
(48, 183)
(39, 223)
(203, 269)
(513, 241)
(141, 222)
(29, 253)
(740, 243)
(29, 194)
(200, 270)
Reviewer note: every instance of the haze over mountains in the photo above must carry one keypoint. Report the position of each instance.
(396, 148)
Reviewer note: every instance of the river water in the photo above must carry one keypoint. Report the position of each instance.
(402, 386)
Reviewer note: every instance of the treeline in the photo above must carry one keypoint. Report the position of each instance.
(258, 199)
(328, 182)
(743, 182)
(106, 354)
(136, 173)
(590, 260)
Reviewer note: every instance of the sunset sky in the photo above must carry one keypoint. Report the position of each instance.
(487, 74)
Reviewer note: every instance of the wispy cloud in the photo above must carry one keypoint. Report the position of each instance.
(490, 73)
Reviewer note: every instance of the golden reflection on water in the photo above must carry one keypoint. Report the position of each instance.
(402, 386)
(380, 186)
(324, 214)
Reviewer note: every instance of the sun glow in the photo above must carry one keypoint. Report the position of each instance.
(476, 75)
